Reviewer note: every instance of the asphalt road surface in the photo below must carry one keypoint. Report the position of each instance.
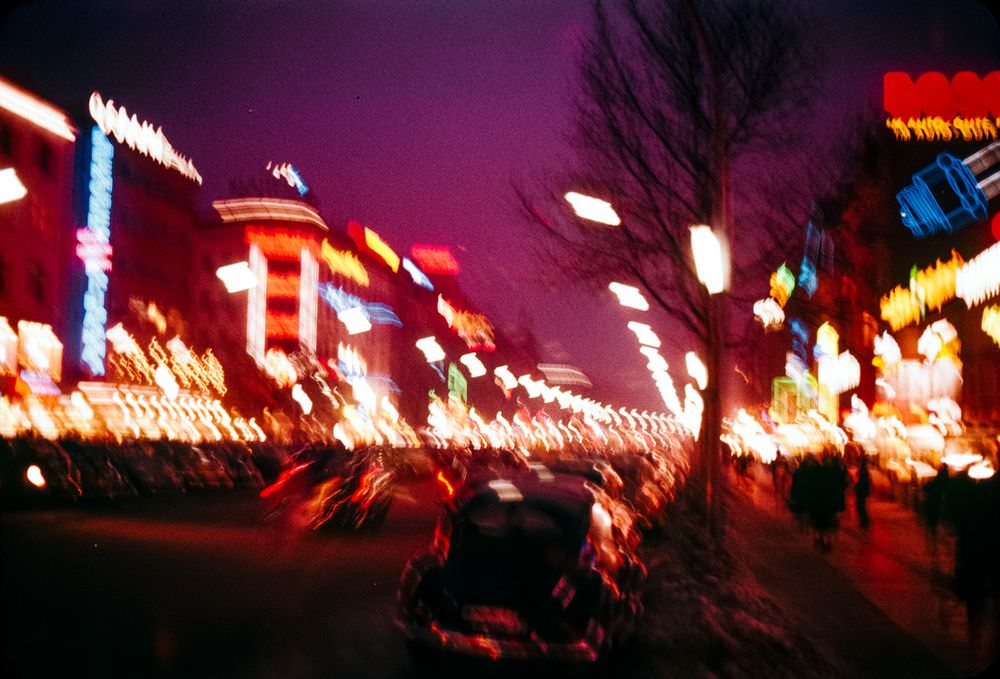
(199, 586)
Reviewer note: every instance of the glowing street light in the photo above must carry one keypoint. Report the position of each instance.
(708, 258)
(593, 209)
(629, 296)
(11, 188)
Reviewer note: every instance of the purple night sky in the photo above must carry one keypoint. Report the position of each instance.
(413, 117)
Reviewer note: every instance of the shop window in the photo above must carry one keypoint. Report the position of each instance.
(36, 281)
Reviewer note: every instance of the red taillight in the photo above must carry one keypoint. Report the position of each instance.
(444, 482)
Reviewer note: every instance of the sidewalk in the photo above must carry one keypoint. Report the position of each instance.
(886, 575)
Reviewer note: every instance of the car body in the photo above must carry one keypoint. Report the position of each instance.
(526, 567)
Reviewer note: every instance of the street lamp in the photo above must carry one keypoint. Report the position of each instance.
(708, 260)
(593, 209)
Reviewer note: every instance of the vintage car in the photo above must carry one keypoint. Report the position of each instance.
(525, 567)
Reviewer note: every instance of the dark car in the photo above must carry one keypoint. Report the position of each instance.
(527, 567)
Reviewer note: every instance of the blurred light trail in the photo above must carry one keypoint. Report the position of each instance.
(708, 258)
(34, 110)
(629, 297)
(236, 277)
(11, 188)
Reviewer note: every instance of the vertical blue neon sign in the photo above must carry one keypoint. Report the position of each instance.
(95, 316)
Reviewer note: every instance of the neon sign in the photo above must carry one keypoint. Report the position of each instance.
(95, 253)
(939, 129)
(979, 279)
(933, 95)
(418, 276)
(344, 263)
(140, 137)
(475, 329)
(436, 259)
(278, 244)
(290, 175)
(95, 315)
(342, 301)
(371, 241)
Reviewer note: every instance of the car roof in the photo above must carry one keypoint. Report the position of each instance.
(568, 496)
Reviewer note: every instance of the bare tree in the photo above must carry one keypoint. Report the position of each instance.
(676, 101)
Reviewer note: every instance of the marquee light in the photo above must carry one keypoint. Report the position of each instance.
(979, 279)
(267, 209)
(593, 209)
(558, 373)
(95, 316)
(344, 263)
(236, 277)
(644, 334)
(506, 377)
(35, 111)
(11, 188)
(435, 259)
(418, 276)
(473, 364)
(432, 350)
(279, 243)
(629, 297)
(140, 137)
(290, 175)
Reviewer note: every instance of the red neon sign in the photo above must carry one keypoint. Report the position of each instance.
(436, 259)
(934, 95)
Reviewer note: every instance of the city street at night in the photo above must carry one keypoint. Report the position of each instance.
(500, 338)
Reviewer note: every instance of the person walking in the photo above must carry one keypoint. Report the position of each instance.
(862, 488)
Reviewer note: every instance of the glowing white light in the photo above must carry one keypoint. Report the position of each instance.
(35, 476)
(257, 306)
(355, 319)
(270, 209)
(981, 470)
(11, 188)
(979, 279)
(593, 209)
(644, 334)
(506, 377)
(165, 381)
(708, 260)
(308, 300)
(696, 369)
(887, 348)
(36, 111)
(656, 361)
(141, 137)
(769, 313)
(302, 399)
(475, 366)
(629, 297)
(432, 350)
(236, 277)
(558, 373)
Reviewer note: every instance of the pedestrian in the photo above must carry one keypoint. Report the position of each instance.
(934, 493)
(862, 488)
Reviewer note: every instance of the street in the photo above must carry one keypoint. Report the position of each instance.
(196, 586)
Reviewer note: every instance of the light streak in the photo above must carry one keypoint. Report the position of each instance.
(593, 209)
(708, 260)
(344, 263)
(11, 188)
(435, 259)
(979, 279)
(473, 364)
(268, 209)
(236, 277)
(418, 276)
(769, 313)
(644, 334)
(35, 111)
(142, 137)
(257, 306)
(431, 349)
(308, 302)
(629, 296)
(290, 175)
(696, 369)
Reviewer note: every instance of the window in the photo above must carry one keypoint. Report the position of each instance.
(44, 156)
(36, 281)
(6, 140)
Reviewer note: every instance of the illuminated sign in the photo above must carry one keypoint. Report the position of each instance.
(95, 315)
(8, 348)
(900, 308)
(141, 137)
(11, 188)
(979, 279)
(949, 178)
(473, 364)
(418, 276)
(475, 329)
(341, 301)
(257, 306)
(367, 239)
(782, 285)
(344, 263)
(290, 175)
(277, 243)
(35, 110)
(267, 209)
(435, 259)
(991, 322)
(282, 325)
(95, 253)
(939, 129)
(458, 386)
(39, 350)
(431, 349)
(284, 285)
(308, 302)
(933, 95)
(930, 288)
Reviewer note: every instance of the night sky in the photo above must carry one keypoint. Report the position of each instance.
(414, 117)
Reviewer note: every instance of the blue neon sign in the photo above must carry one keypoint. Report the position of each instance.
(95, 318)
